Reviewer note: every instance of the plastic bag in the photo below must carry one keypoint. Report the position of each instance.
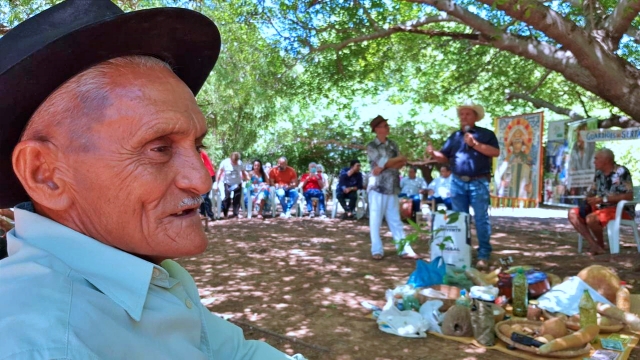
(482, 322)
(429, 311)
(428, 273)
(402, 323)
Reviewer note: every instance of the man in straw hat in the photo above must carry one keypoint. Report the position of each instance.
(469, 152)
(99, 145)
(384, 187)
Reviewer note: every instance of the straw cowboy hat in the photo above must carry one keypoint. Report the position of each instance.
(478, 109)
(46, 50)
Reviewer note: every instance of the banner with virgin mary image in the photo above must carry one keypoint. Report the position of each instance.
(517, 175)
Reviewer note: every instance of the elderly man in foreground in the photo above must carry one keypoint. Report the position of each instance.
(611, 184)
(109, 158)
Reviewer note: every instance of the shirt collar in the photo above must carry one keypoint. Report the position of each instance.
(123, 277)
(378, 142)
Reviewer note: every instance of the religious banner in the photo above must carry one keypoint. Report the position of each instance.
(518, 168)
(579, 163)
(554, 165)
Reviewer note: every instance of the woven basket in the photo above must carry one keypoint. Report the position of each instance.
(534, 325)
(573, 323)
(452, 293)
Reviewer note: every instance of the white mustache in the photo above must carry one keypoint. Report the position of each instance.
(191, 201)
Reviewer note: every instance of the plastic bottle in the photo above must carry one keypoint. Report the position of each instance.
(520, 294)
(623, 298)
(588, 312)
(463, 299)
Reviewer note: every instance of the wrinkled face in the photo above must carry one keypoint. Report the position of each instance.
(282, 164)
(138, 187)
(313, 168)
(444, 172)
(382, 130)
(467, 117)
(412, 173)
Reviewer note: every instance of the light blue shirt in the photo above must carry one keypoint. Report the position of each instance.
(64, 295)
(412, 186)
(441, 187)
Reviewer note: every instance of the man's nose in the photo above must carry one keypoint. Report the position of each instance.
(193, 175)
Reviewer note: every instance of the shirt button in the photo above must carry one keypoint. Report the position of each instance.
(156, 272)
(188, 303)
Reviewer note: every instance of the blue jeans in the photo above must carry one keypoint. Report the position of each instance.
(292, 194)
(439, 200)
(314, 193)
(415, 201)
(476, 194)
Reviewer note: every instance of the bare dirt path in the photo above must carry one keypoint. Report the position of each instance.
(304, 279)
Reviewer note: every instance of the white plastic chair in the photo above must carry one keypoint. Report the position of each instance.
(613, 226)
(362, 205)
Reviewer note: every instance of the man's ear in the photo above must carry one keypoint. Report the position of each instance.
(36, 165)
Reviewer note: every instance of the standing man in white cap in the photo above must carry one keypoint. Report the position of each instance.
(386, 162)
(470, 151)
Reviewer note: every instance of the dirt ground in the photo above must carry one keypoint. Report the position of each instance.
(298, 283)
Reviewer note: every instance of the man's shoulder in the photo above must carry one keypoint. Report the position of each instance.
(485, 131)
(622, 170)
(35, 299)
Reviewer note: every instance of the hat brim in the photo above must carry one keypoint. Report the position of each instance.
(187, 40)
(476, 108)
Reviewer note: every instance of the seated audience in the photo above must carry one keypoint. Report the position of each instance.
(349, 182)
(325, 178)
(440, 188)
(259, 187)
(285, 180)
(611, 184)
(312, 185)
(413, 187)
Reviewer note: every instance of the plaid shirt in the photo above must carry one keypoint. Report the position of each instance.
(388, 182)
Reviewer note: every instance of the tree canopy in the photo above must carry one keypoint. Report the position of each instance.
(293, 75)
(547, 54)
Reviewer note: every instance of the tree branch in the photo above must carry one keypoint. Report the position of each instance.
(542, 53)
(539, 103)
(603, 65)
(366, 12)
(584, 105)
(540, 82)
(618, 121)
(613, 120)
(620, 20)
(411, 26)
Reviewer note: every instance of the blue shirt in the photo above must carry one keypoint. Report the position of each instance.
(64, 295)
(466, 161)
(346, 181)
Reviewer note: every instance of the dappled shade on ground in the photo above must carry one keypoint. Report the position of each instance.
(305, 279)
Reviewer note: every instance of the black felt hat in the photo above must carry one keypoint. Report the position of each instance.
(44, 51)
(375, 122)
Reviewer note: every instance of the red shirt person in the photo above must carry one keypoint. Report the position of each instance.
(312, 185)
(285, 180)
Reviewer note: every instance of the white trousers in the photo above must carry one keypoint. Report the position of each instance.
(387, 206)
